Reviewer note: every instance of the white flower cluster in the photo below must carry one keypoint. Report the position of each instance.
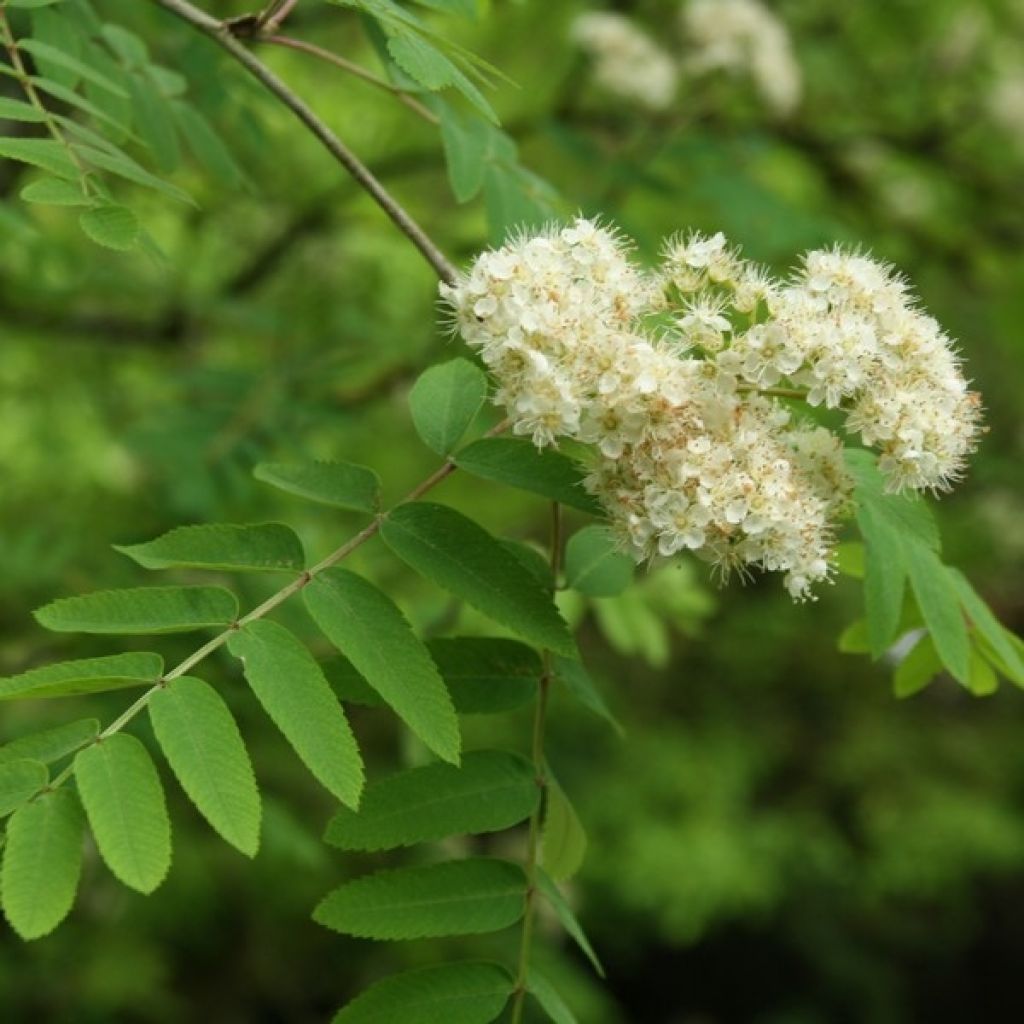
(675, 377)
(627, 62)
(740, 36)
(745, 36)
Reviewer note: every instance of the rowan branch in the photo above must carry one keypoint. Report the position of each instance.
(222, 34)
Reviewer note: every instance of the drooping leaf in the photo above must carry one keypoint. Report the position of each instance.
(549, 999)
(421, 60)
(487, 675)
(371, 631)
(141, 610)
(341, 484)
(521, 464)
(982, 681)
(491, 791)
(19, 110)
(51, 744)
(578, 682)
(124, 802)
(462, 557)
(87, 675)
(854, 639)
(264, 547)
(206, 145)
(124, 166)
(987, 624)
(112, 226)
(293, 691)
(42, 863)
(48, 54)
(563, 841)
(460, 993)
(567, 918)
(462, 897)
(918, 668)
(198, 735)
(465, 139)
(939, 602)
(19, 781)
(155, 122)
(445, 401)
(595, 565)
(885, 578)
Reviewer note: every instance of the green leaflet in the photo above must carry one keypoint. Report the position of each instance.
(293, 691)
(462, 897)
(154, 122)
(917, 669)
(55, 192)
(487, 675)
(982, 681)
(46, 154)
(42, 863)
(462, 993)
(88, 675)
(198, 734)
(594, 564)
(141, 610)
(549, 998)
(370, 630)
(51, 744)
(19, 110)
(112, 226)
(445, 401)
(124, 802)
(466, 140)
(53, 55)
(462, 557)
(582, 687)
(491, 791)
(567, 918)
(341, 484)
(988, 625)
(885, 578)
(264, 547)
(939, 602)
(563, 841)
(19, 781)
(207, 146)
(519, 463)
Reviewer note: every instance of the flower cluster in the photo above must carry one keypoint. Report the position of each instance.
(745, 36)
(627, 62)
(675, 377)
(739, 36)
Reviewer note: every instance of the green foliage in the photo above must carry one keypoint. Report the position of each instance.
(41, 863)
(550, 1001)
(579, 683)
(51, 744)
(457, 554)
(567, 918)
(112, 226)
(124, 802)
(260, 548)
(917, 669)
(937, 598)
(521, 464)
(340, 484)
(293, 691)
(143, 610)
(87, 675)
(594, 565)
(20, 780)
(198, 735)
(463, 993)
(492, 790)
(445, 401)
(487, 675)
(563, 840)
(462, 897)
(370, 630)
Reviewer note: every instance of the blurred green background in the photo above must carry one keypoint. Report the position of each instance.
(775, 839)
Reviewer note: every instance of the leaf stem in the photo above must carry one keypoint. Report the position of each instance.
(371, 529)
(540, 773)
(354, 69)
(222, 34)
(774, 392)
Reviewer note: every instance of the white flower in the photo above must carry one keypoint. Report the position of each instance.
(627, 62)
(690, 455)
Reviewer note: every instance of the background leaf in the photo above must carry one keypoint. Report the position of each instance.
(268, 546)
(340, 484)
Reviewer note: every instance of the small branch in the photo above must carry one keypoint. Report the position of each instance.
(276, 13)
(272, 602)
(773, 392)
(353, 69)
(221, 33)
(540, 773)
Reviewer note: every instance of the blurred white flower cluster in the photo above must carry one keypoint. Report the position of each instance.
(744, 36)
(739, 36)
(627, 62)
(675, 377)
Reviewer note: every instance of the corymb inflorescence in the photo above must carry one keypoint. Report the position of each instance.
(683, 379)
